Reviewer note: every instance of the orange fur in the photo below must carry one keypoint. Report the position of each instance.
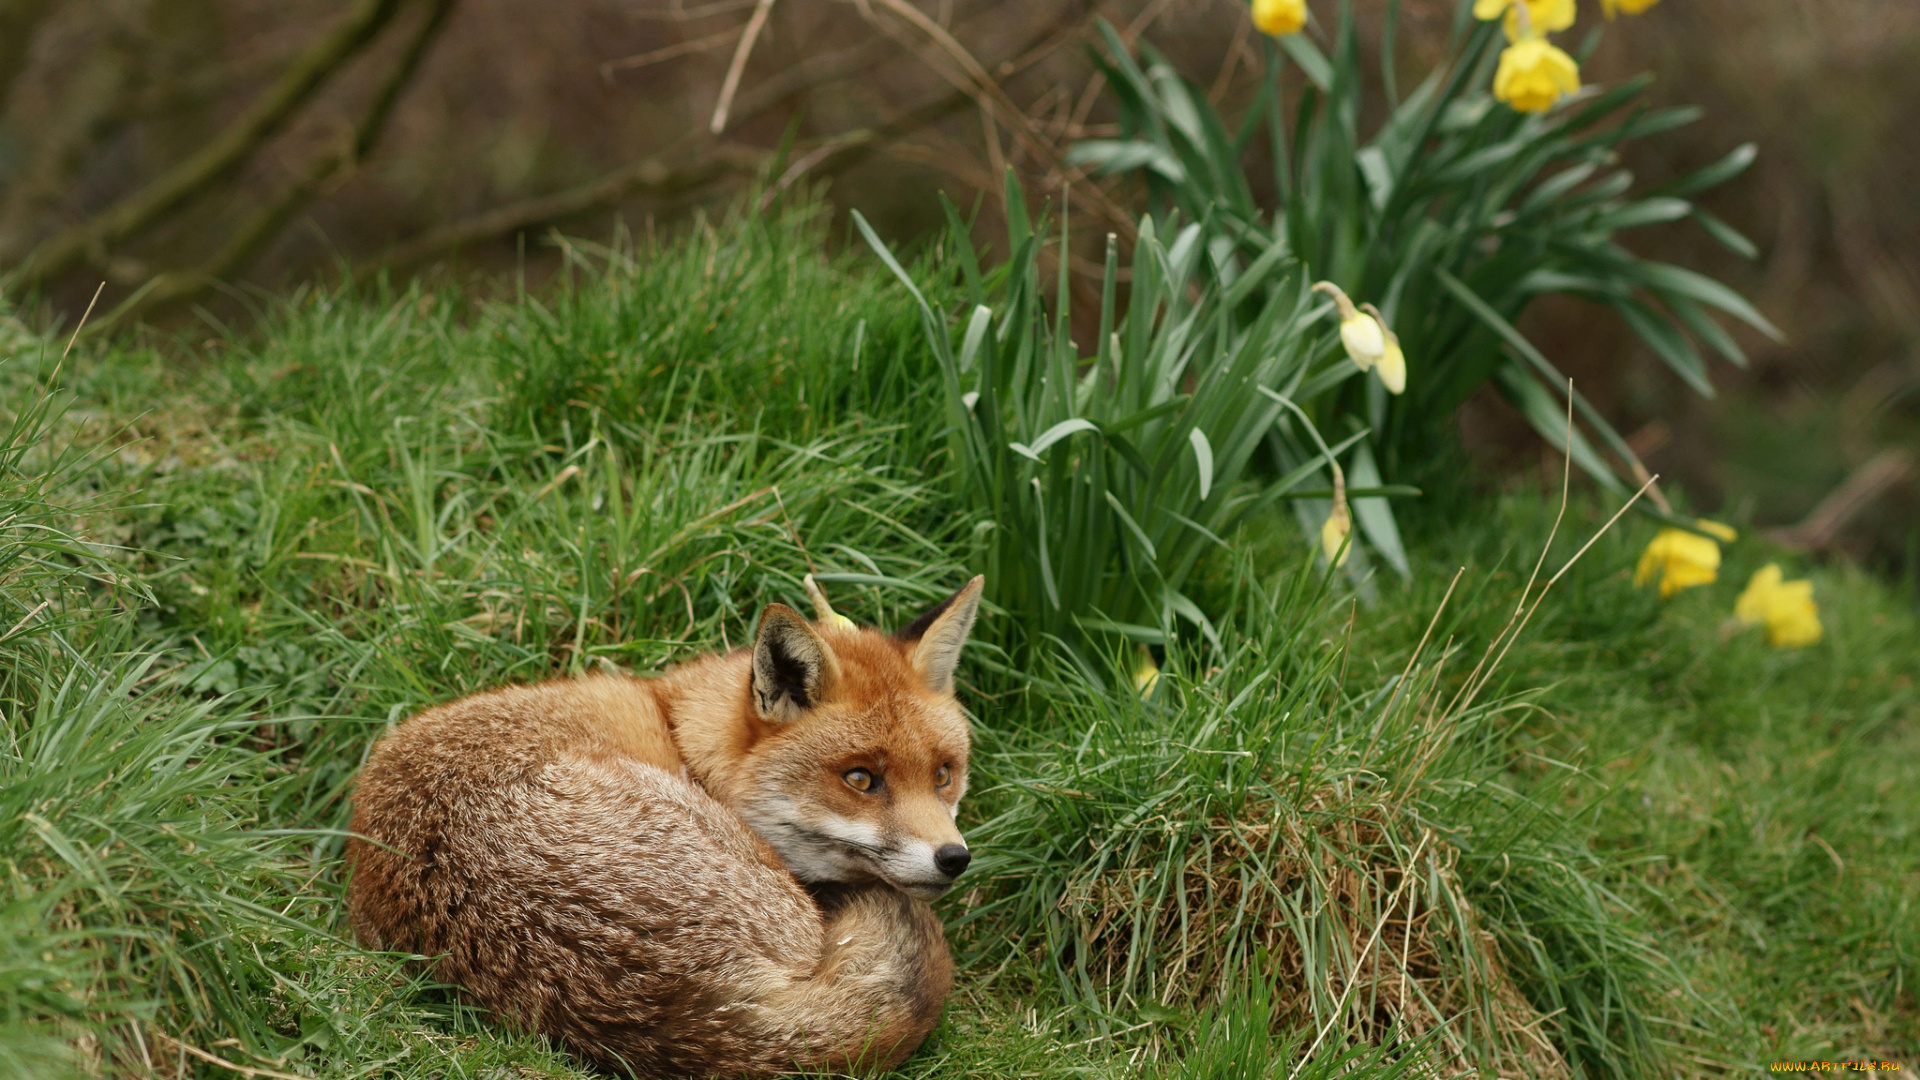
(681, 875)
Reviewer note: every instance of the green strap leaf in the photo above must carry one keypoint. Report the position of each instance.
(1203, 458)
(1375, 515)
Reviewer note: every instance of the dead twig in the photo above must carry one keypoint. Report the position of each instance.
(1822, 527)
(230, 1066)
(738, 67)
(662, 55)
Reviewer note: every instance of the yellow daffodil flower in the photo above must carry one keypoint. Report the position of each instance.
(1339, 527)
(1785, 608)
(1280, 17)
(1393, 362)
(1360, 333)
(1527, 18)
(1533, 74)
(1631, 7)
(1145, 672)
(1682, 559)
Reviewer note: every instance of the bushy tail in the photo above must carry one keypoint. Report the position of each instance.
(878, 988)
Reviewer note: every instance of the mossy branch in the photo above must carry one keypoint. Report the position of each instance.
(231, 148)
(175, 286)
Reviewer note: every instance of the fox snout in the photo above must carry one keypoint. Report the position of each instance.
(928, 872)
(952, 859)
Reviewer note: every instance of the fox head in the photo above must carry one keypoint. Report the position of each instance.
(861, 754)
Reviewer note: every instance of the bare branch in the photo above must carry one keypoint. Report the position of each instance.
(266, 116)
(89, 102)
(653, 174)
(175, 286)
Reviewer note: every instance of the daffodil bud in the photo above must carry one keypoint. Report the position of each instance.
(1145, 672)
(1279, 18)
(1358, 332)
(1339, 527)
(823, 612)
(1393, 362)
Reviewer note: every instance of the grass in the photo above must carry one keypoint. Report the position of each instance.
(1653, 843)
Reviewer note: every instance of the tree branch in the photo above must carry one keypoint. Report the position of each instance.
(680, 167)
(18, 20)
(265, 117)
(175, 286)
(652, 173)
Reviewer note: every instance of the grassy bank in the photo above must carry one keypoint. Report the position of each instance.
(1648, 845)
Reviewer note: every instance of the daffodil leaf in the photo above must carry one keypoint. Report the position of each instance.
(1642, 212)
(1203, 459)
(1111, 156)
(1313, 63)
(1132, 525)
(1705, 328)
(1057, 432)
(1669, 343)
(1726, 235)
(1666, 277)
(1549, 419)
(977, 328)
(1711, 176)
(1378, 174)
(1375, 515)
(1191, 612)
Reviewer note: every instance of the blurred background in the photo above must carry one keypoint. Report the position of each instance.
(197, 154)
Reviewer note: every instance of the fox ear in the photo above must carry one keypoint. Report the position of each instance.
(937, 635)
(792, 669)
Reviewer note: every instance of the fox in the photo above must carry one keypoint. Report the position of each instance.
(720, 870)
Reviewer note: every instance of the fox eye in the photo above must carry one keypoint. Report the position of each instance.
(942, 776)
(858, 779)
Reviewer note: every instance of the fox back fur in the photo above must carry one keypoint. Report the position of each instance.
(723, 870)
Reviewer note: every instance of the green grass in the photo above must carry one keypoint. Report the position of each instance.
(1665, 846)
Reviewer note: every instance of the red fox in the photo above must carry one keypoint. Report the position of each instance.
(722, 870)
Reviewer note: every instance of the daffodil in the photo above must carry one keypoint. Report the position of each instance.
(1359, 332)
(1682, 559)
(1334, 535)
(1528, 18)
(823, 612)
(1785, 608)
(1393, 362)
(1533, 74)
(1145, 672)
(1280, 17)
(1631, 7)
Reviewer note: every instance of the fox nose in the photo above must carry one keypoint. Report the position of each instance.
(952, 859)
